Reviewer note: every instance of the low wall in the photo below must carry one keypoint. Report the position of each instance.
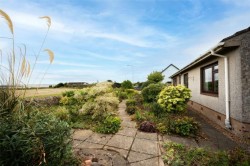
(44, 101)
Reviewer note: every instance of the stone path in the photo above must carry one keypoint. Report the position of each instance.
(138, 148)
(132, 147)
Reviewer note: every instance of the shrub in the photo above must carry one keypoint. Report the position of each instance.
(127, 84)
(110, 125)
(174, 98)
(155, 77)
(121, 95)
(68, 93)
(162, 128)
(101, 107)
(139, 116)
(62, 113)
(157, 109)
(184, 126)
(67, 100)
(131, 102)
(178, 154)
(33, 138)
(147, 127)
(150, 92)
(131, 109)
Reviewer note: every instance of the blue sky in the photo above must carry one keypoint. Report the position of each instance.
(97, 40)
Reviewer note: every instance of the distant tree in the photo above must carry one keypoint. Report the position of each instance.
(109, 81)
(127, 84)
(116, 85)
(59, 85)
(155, 77)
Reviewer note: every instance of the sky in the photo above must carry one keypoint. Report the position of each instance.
(99, 40)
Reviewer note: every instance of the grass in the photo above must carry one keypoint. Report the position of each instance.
(44, 92)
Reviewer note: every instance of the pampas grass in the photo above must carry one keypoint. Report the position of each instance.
(18, 70)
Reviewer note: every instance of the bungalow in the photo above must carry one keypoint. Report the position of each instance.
(220, 83)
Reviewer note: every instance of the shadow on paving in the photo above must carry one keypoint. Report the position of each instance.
(212, 137)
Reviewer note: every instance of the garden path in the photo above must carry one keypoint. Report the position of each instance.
(138, 148)
(130, 146)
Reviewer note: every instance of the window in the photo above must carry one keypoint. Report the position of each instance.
(179, 79)
(175, 81)
(186, 80)
(210, 81)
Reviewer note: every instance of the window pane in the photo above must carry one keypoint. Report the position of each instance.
(216, 82)
(207, 86)
(186, 80)
(215, 67)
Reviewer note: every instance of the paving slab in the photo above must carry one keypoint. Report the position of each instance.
(208, 144)
(88, 145)
(99, 138)
(137, 156)
(122, 152)
(127, 131)
(128, 124)
(149, 162)
(120, 141)
(145, 146)
(76, 143)
(186, 141)
(118, 160)
(144, 135)
(102, 157)
(82, 134)
(160, 161)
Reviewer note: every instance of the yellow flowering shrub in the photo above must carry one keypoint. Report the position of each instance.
(174, 98)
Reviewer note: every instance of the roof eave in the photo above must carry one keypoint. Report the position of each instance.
(207, 54)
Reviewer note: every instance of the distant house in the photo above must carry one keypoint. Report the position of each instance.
(220, 83)
(76, 84)
(168, 71)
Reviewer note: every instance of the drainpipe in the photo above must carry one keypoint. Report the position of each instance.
(227, 120)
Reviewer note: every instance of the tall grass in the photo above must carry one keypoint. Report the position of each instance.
(27, 136)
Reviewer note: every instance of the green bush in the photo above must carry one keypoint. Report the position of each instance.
(155, 77)
(174, 98)
(157, 109)
(68, 93)
(121, 95)
(127, 84)
(110, 125)
(130, 102)
(178, 154)
(162, 128)
(139, 116)
(67, 100)
(184, 126)
(33, 138)
(101, 107)
(151, 92)
(62, 113)
(131, 109)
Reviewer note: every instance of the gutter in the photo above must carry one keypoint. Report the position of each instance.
(227, 101)
(201, 58)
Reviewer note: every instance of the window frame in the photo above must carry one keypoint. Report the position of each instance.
(180, 79)
(175, 81)
(185, 79)
(214, 71)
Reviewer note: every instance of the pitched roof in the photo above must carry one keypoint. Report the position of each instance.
(207, 54)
